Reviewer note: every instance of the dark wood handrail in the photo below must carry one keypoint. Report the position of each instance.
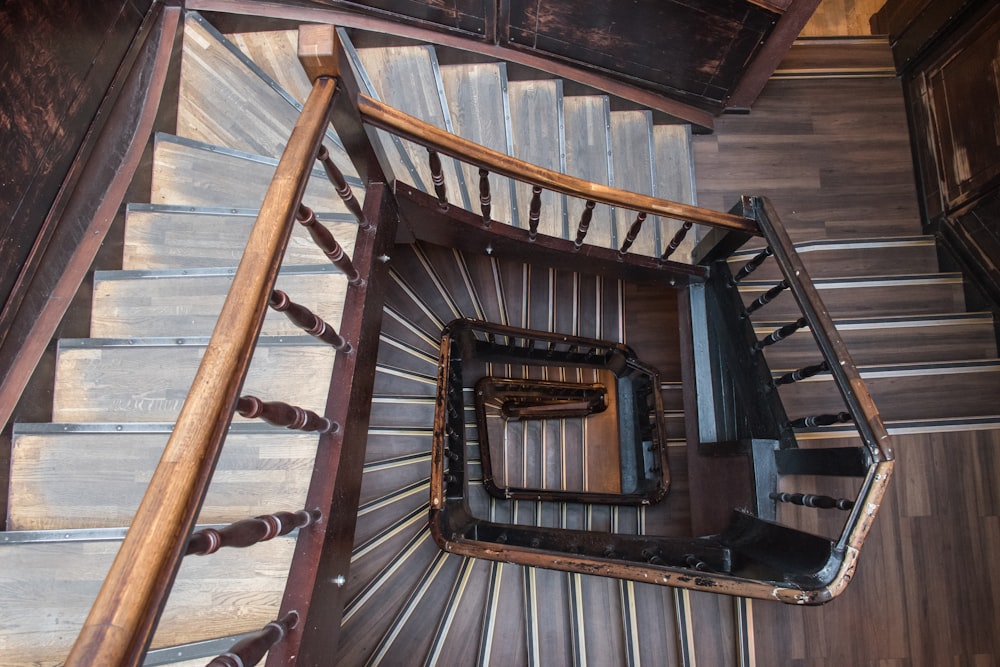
(122, 620)
(393, 120)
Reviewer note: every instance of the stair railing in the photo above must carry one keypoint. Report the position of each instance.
(540, 179)
(123, 618)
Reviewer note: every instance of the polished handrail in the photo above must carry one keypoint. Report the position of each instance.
(402, 124)
(123, 618)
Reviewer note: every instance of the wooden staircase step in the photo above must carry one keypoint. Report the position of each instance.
(479, 110)
(408, 78)
(191, 173)
(187, 302)
(216, 84)
(898, 340)
(275, 52)
(832, 258)
(537, 130)
(402, 412)
(588, 156)
(673, 166)
(159, 236)
(632, 158)
(144, 379)
(94, 475)
(50, 586)
(915, 391)
(873, 296)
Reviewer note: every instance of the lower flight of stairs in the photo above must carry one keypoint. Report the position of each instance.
(76, 482)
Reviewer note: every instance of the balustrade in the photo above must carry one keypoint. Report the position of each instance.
(802, 373)
(485, 201)
(752, 265)
(633, 232)
(251, 650)
(765, 298)
(437, 177)
(277, 413)
(813, 500)
(308, 321)
(780, 334)
(821, 420)
(328, 244)
(248, 532)
(343, 188)
(585, 218)
(677, 240)
(534, 211)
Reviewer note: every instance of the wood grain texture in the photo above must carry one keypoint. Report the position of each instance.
(214, 596)
(587, 157)
(673, 169)
(841, 17)
(96, 480)
(631, 150)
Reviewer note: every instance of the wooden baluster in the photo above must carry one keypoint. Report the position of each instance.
(585, 218)
(324, 239)
(821, 420)
(485, 202)
(676, 241)
(248, 532)
(766, 298)
(802, 374)
(249, 651)
(752, 265)
(633, 232)
(307, 320)
(780, 334)
(437, 177)
(534, 211)
(811, 500)
(277, 413)
(343, 188)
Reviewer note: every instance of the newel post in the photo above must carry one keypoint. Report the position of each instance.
(318, 47)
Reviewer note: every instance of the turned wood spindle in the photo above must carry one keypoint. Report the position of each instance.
(324, 239)
(534, 211)
(485, 201)
(812, 500)
(585, 218)
(752, 265)
(802, 373)
(780, 334)
(307, 320)
(248, 532)
(437, 177)
(277, 413)
(251, 650)
(765, 298)
(821, 420)
(343, 188)
(633, 232)
(677, 240)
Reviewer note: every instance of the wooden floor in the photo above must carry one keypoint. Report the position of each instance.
(834, 158)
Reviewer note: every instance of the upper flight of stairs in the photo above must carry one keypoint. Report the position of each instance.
(117, 393)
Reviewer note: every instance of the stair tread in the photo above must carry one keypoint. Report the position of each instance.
(852, 257)
(169, 237)
(232, 591)
(95, 479)
(166, 303)
(217, 79)
(190, 173)
(98, 379)
(674, 180)
(535, 113)
(588, 156)
(404, 77)
(276, 53)
(476, 102)
(631, 152)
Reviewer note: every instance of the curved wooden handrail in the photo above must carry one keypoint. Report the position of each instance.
(393, 120)
(122, 620)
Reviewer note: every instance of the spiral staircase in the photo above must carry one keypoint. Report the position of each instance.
(76, 481)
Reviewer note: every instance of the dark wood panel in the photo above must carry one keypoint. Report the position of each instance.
(59, 59)
(708, 46)
(465, 15)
